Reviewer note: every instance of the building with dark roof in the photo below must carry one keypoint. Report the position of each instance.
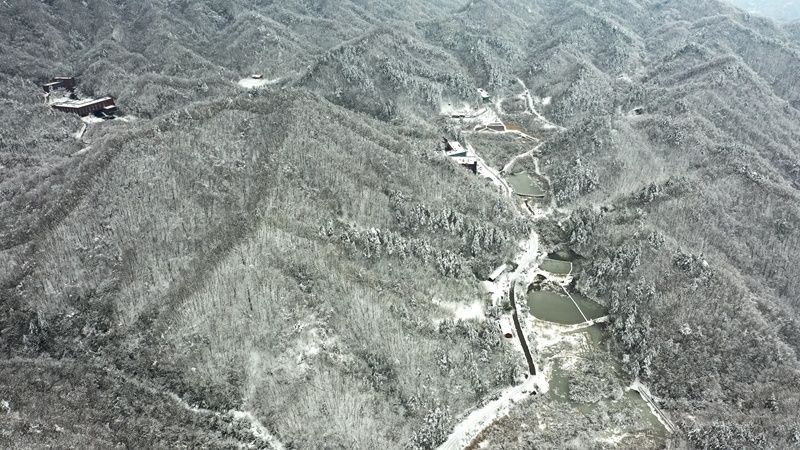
(89, 106)
(468, 162)
(67, 83)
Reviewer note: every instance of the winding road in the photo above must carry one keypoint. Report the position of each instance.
(470, 426)
(473, 424)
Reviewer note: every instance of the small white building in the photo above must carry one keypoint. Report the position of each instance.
(454, 148)
(499, 271)
(506, 327)
(496, 126)
(484, 94)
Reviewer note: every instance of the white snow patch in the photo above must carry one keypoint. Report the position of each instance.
(81, 152)
(547, 100)
(253, 83)
(469, 428)
(259, 429)
(461, 311)
(79, 134)
(90, 119)
(614, 438)
(463, 110)
(53, 100)
(126, 118)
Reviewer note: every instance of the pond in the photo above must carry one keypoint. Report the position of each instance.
(558, 308)
(557, 267)
(524, 185)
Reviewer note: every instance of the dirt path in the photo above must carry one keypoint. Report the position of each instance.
(532, 108)
(486, 170)
(471, 426)
(529, 154)
(257, 429)
(527, 262)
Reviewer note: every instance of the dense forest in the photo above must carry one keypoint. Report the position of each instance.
(286, 251)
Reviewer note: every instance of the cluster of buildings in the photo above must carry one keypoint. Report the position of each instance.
(102, 107)
(461, 155)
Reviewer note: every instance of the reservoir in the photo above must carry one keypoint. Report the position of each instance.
(523, 184)
(558, 308)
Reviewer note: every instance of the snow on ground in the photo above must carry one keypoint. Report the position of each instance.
(613, 437)
(258, 429)
(91, 119)
(527, 260)
(126, 118)
(81, 152)
(510, 166)
(471, 426)
(546, 335)
(460, 109)
(253, 83)
(54, 100)
(486, 171)
(79, 134)
(498, 106)
(481, 117)
(461, 311)
(546, 123)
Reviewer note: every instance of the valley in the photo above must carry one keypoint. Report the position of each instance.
(556, 334)
(269, 245)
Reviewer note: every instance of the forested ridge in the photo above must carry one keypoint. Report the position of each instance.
(285, 250)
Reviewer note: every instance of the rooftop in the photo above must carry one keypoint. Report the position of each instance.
(456, 146)
(465, 160)
(498, 272)
(82, 103)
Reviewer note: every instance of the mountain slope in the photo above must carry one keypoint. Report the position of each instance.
(267, 211)
(298, 251)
